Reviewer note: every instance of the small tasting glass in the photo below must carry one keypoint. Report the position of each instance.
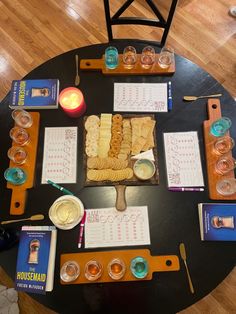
(17, 154)
(148, 57)
(220, 126)
(129, 57)
(22, 118)
(15, 176)
(70, 271)
(166, 57)
(116, 268)
(226, 186)
(225, 164)
(93, 270)
(223, 145)
(19, 135)
(111, 57)
(139, 267)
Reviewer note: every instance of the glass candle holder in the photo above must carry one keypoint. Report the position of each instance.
(225, 164)
(116, 268)
(148, 57)
(111, 57)
(17, 154)
(220, 126)
(129, 57)
(19, 135)
(22, 118)
(223, 145)
(93, 270)
(15, 176)
(70, 271)
(72, 102)
(226, 186)
(166, 57)
(139, 267)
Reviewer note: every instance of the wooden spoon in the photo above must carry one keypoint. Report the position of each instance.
(192, 98)
(34, 217)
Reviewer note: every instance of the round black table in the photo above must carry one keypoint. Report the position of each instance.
(173, 217)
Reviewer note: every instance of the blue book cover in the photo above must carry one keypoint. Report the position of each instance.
(34, 94)
(36, 259)
(217, 221)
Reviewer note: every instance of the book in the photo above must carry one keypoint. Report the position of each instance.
(217, 221)
(34, 94)
(36, 259)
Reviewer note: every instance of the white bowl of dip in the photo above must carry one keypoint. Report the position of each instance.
(66, 212)
(144, 169)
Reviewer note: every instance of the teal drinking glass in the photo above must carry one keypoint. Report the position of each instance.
(111, 57)
(220, 126)
(139, 267)
(15, 176)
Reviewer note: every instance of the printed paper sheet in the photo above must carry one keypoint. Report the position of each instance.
(140, 97)
(60, 155)
(107, 227)
(183, 161)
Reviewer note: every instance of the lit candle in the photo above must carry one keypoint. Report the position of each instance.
(72, 102)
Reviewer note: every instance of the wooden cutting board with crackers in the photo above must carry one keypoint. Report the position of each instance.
(113, 143)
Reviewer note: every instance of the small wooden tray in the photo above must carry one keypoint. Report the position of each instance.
(156, 263)
(18, 197)
(214, 113)
(99, 64)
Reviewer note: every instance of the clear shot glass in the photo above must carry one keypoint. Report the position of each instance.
(223, 145)
(22, 118)
(17, 154)
(111, 57)
(116, 268)
(19, 135)
(226, 186)
(166, 57)
(93, 270)
(70, 271)
(129, 57)
(15, 176)
(139, 267)
(220, 126)
(148, 57)
(225, 164)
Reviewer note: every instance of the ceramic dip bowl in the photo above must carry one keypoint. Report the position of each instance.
(144, 169)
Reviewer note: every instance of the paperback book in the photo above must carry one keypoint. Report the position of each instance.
(34, 94)
(217, 221)
(36, 259)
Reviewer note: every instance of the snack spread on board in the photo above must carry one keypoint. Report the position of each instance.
(110, 142)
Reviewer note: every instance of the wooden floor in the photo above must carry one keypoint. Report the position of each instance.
(33, 31)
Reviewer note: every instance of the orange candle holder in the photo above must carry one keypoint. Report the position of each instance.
(71, 100)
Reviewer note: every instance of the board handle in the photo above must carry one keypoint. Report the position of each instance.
(91, 64)
(18, 200)
(165, 263)
(214, 110)
(120, 197)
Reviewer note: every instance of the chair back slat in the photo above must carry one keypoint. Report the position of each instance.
(159, 22)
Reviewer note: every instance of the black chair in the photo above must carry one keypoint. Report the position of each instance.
(160, 22)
